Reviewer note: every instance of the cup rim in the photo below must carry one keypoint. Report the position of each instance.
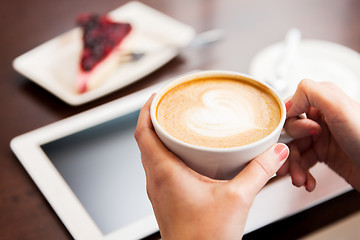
(208, 73)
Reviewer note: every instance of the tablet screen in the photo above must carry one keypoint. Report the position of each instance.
(103, 168)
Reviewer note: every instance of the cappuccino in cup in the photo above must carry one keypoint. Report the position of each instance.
(217, 121)
(218, 112)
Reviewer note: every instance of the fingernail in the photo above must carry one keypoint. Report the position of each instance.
(288, 105)
(313, 132)
(282, 151)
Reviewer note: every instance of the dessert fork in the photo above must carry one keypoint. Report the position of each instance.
(200, 40)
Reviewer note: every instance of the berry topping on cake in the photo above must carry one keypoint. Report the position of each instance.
(102, 38)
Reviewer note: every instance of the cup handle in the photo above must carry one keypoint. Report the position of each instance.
(284, 137)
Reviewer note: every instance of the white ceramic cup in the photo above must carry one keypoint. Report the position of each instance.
(218, 163)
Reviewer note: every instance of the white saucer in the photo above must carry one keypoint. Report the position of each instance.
(317, 60)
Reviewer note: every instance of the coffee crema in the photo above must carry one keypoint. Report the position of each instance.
(218, 112)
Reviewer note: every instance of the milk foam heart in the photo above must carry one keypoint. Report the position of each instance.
(223, 113)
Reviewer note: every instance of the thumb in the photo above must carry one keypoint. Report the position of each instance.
(258, 172)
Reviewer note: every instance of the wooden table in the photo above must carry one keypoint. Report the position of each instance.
(249, 25)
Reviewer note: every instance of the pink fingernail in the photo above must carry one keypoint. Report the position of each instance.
(282, 151)
(288, 105)
(313, 132)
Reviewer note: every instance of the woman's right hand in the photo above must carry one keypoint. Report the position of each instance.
(330, 133)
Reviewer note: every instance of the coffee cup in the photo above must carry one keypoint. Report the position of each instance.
(217, 121)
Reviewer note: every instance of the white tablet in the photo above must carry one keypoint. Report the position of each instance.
(89, 169)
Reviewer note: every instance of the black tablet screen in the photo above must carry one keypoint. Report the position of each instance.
(103, 168)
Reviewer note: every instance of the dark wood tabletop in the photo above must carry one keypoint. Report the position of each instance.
(249, 26)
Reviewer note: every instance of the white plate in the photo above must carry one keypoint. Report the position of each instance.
(317, 60)
(53, 65)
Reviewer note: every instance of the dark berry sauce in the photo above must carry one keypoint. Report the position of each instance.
(100, 36)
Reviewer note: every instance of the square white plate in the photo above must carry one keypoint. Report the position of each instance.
(53, 65)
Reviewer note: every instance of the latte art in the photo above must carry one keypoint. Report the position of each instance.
(223, 113)
(218, 112)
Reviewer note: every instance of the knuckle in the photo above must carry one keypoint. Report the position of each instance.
(264, 166)
(149, 191)
(152, 192)
(304, 83)
(235, 195)
(163, 175)
(155, 183)
(138, 133)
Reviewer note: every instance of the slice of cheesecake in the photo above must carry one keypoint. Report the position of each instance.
(102, 40)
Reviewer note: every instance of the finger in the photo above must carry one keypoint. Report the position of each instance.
(283, 170)
(299, 168)
(308, 159)
(300, 128)
(310, 183)
(154, 154)
(298, 175)
(144, 133)
(296, 148)
(258, 172)
(303, 144)
(324, 96)
(314, 114)
(144, 121)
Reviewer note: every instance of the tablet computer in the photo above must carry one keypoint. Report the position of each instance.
(89, 169)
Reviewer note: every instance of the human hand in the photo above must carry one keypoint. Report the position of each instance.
(329, 134)
(188, 205)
